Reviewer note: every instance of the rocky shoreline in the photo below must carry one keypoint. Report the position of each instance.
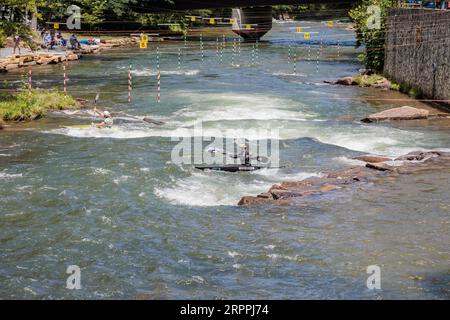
(295, 193)
(18, 61)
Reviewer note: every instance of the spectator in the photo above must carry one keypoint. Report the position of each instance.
(16, 43)
(48, 40)
(74, 43)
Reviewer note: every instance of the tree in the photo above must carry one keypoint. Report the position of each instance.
(369, 35)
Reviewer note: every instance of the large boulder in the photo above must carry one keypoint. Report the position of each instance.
(420, 155)
(402, 113)
(346, 81)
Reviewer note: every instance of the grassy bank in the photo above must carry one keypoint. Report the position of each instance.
(375, 80)
(22, 106)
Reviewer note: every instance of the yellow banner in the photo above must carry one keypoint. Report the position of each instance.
(193, 19)
(212, 21)
(330, 23)
(307, 35)
(248, 27)
(299, 30)
(56, 26)
(144, 38)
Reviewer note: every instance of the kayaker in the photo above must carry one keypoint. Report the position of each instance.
(107, 121)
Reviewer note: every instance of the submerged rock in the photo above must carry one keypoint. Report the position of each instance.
(402, 113)
(345, 81)
(381, 166)
(372, 158)
(421, 155)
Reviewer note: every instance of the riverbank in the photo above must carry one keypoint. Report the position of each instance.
(381, 82)
(38, 58)
(25, 106)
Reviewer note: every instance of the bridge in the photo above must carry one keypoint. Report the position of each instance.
(251, 19)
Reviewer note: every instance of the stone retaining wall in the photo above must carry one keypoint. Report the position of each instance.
(418, 50)
(17, 61)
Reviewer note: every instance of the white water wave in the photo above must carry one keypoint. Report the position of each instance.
(206, 189)
(151, 72)
(4, 175)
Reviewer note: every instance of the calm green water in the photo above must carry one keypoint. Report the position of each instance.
(113, 202)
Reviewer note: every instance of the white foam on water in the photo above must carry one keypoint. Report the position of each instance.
(205, 189)
(121, 179)
(348, 161)
(231, 106)
(4, 175)
(275, 256)
(286, 74)
(234, 254)
(117, 132)
(101, 171)
(275, 175)
(368, 139)
(150, 72)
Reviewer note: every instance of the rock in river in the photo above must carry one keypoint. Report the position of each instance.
(296, 193)
(402, 113)
(372, 158)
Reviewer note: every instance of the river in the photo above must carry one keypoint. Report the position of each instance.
(139, 226)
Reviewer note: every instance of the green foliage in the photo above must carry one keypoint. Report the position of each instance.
(2, 38)
(177, 19)
(368, 81)
(395, 86)
(372, 39)
(22, 106)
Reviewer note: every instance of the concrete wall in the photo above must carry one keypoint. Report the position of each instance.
(418, 50)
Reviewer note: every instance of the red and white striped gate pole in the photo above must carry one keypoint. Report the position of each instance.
(65, 77)
(158, 76)
(29, 81)
(130, 84)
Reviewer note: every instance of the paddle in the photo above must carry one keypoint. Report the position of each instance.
(146, 119)
(95, 108)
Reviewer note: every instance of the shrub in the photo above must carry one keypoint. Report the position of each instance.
(2, 38)
(22, 106)
(372, 39)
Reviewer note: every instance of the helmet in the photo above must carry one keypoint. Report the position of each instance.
(106, 114)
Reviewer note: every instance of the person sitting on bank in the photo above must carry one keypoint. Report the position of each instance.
(74, 43)
(107, 121)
